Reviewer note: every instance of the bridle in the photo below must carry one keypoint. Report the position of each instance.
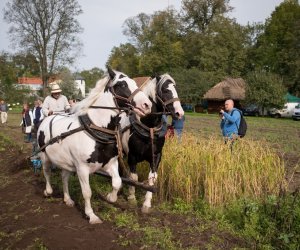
(128, 100)
(116, 97)
(159, 95)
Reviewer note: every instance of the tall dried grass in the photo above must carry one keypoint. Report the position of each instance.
(206, 168)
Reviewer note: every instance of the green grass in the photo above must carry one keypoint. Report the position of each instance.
(283, 134)
(271, 221)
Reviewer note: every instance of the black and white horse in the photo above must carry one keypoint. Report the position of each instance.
(145, 140)
(94, 146)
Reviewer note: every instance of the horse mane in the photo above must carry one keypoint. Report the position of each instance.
(81, 107)
(167, 76)
(152, 92)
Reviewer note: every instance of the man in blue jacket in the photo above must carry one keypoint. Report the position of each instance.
(230, 121)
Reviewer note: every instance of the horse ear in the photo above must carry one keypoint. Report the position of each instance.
(111, 73)
(155, 75)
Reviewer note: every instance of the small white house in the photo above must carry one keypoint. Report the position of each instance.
(80, 84)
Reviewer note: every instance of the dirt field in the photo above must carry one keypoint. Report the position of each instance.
(30, 221)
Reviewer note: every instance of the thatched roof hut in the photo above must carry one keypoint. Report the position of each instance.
(228, 89)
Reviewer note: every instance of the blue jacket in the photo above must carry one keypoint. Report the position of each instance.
(230, 123)
(178, 124)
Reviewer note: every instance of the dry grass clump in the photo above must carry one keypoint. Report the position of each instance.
(206, 168)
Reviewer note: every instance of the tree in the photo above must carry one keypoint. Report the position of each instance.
(67, 83)
(45, 28)
(265, 89)
(278, 47)
(224, 48)
(192, 84)
(198, 14)
(11, 67)
(156, 38)
(91, 77)
(125, 58)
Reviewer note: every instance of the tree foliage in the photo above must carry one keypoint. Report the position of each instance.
(45, 28)
(192, 84)
(198, 14)
(91, 77)
(124, 58)
(12, 67)
(278, 46)
(265, 89)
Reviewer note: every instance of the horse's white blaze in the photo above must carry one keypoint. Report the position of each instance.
(176, 104)
(178, 109)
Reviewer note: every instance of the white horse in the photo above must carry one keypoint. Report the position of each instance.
(93, 146)
(145, 139)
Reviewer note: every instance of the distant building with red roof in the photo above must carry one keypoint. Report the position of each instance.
(36, 83)
(141, 80)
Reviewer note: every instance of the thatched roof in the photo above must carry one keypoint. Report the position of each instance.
(140, 80)
(228, 89)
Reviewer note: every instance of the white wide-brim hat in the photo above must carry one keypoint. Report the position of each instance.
(55, 88)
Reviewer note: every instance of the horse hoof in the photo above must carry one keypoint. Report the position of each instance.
(132, 200)
(95, 220)
(46, 194)
(146, 210)
(69, 203)
(111, 198)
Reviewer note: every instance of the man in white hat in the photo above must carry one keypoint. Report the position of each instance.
(56, 103)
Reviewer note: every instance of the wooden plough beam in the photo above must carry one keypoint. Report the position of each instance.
(130, 182)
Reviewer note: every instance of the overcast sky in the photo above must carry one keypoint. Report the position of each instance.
(102, 21)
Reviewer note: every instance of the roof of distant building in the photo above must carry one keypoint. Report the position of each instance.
(228, 89)
(141, 80)
(30, 80)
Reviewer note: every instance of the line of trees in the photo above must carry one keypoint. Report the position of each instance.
(199, 45)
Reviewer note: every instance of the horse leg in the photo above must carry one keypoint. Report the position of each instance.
(131, 197)
(133, 175)
(83, 176)
(116, 181)
(65, 174)
(47, 173)
(148, 197)
(151, 179)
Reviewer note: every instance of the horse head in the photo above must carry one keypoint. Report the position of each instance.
(127, 94)
(166, 94)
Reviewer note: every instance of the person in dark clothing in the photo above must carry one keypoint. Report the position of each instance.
(27, 121)
(178, 126)
(38, 115)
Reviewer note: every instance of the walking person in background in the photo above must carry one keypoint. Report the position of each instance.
(27, 122)
(56, 103)
(3, 111)
(178, 125)
(230, 122)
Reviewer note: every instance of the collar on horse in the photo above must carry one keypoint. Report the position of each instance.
(142, 130)
(102, 135)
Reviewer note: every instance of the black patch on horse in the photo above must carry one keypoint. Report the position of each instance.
(41, 140)
(103, 153)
